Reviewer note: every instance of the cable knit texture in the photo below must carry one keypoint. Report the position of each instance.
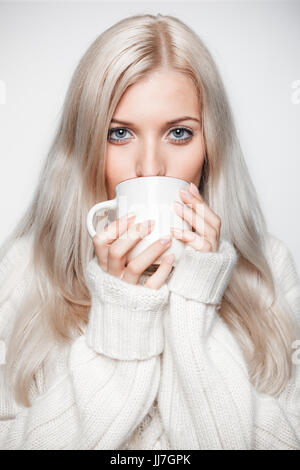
(213, 269)
(133, 312)
(154, 369)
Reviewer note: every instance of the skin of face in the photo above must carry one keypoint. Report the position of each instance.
(149, 146)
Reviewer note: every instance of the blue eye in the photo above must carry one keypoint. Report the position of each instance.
(182, 129)
(123, 130)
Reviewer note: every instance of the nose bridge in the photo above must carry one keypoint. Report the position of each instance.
(150, 159)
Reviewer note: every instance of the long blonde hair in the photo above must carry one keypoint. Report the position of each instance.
(56, 307)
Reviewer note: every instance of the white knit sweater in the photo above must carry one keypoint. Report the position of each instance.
(154, 369)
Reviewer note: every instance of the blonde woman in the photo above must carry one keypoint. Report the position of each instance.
(103, 354)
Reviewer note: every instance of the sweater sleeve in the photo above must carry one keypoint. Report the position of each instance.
(102, 387)
(214, 405)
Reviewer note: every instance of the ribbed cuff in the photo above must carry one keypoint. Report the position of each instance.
(204, 276)
(125, 320)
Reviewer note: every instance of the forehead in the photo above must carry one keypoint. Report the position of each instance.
(168, 93)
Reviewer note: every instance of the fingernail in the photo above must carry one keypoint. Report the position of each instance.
(177, 231)
(178, 205)
(170, 258)
(125, 217)
(148, 224)
(165, 240)
(187, 195)
(194, 190)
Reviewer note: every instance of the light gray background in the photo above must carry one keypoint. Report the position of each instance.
(255, 44)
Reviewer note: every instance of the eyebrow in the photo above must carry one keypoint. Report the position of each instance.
(174, 121)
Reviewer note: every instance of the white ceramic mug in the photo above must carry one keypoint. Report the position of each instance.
(149, 197)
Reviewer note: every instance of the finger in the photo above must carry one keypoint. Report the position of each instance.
(118, 250)
(196, 220)
(102, 239)
(200, 243)
(200, 207)
(141, 262)
(212, 217)
(156, 280)
(116, 228)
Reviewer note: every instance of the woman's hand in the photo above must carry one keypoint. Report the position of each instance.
(112, 252)
(204, 221)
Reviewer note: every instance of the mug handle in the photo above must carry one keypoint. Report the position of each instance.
(111, 204)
